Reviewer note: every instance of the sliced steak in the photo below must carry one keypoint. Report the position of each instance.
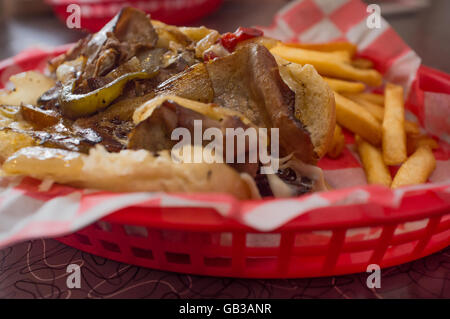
(154, 133)
(118, 41)
(249, 82)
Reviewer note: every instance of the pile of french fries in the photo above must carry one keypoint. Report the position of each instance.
(382, 134)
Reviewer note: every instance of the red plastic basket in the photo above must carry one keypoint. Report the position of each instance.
(96, 13)
(200, 241)
(319, 243)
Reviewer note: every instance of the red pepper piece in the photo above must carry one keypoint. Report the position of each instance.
(209, 55)
(248, 33)
(230, 40)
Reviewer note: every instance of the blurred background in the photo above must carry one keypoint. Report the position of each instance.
(423, 24)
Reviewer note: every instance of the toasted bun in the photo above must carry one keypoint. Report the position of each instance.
(11, 142)
(314, 102)
(127, 171)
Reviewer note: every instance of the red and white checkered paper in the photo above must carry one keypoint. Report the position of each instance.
(27, 213)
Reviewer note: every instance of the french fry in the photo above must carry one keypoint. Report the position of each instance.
(362, 63)
(342, 86)
(417, 168)
(376, 170)
(303, 54)
(338, 143)
(327, 64)
(357, 119)
(414, 142)
(372, 97)
(411, 128)
(393, 127)
(377, 111)
(344, 56)
(326, 47)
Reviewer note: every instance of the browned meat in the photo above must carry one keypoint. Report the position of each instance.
(49, 100)
(93, 84)
(180, 63)
(134, 30)
(154, 134)
(169, 116)
(152, 60)
(247, 81)
(120, 40)
(109, 53)
(299, 184)
(70, 55)
(113, 124)
(39, 118)
(125, 45)
(62, 137)
(193, 84)
(106, 62)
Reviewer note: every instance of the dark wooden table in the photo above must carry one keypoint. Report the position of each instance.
(37, 269)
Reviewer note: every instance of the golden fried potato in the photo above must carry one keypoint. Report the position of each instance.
(348, 47)
(393, 127)
(328, 64)
(376, 170)
(417, 168)
(357, 119)
(414, 142)
(342, 86)
(29, 86)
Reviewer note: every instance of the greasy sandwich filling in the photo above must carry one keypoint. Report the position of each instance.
(106, 77)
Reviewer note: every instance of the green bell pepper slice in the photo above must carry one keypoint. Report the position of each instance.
(79, 105)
